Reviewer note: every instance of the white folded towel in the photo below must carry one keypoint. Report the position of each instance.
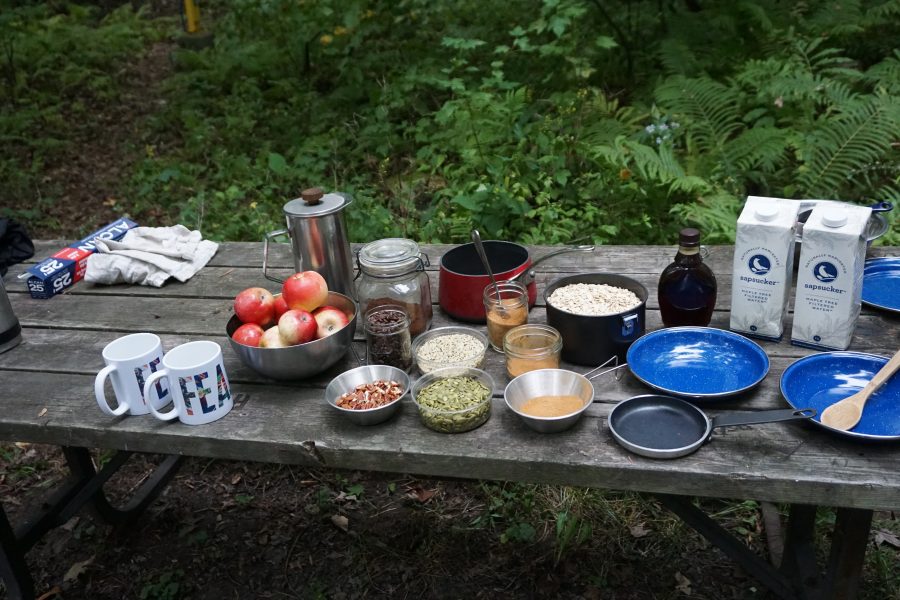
(149, 256)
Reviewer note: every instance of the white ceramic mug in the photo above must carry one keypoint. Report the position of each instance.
(200, 389)
(130, 360)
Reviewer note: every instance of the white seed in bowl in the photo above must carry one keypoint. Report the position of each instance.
(454, 348)
(593, 300)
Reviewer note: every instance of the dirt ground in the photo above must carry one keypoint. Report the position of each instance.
(226, 529)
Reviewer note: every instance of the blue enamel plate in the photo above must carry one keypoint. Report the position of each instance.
(697, 362)
(819, 380)
(881, 283)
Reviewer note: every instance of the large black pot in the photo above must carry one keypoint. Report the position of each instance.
(594, 340)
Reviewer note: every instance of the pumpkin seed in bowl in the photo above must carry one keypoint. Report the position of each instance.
(454, 399)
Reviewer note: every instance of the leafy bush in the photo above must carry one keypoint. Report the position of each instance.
(542, 121)
(58, 69)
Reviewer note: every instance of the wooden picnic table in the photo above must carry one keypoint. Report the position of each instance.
(46, 395)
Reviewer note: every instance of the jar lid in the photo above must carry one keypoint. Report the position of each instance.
(390, 256)
(314, 203)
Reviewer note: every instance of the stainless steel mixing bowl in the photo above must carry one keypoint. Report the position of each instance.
(302, 360)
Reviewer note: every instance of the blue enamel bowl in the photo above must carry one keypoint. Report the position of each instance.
(819, 380)
(697, 362)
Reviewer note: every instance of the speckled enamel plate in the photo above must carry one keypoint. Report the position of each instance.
(697, 362)
(881, 283)
(819, 380)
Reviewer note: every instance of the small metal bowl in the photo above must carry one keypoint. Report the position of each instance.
(456, 421)
(348, 381)
(548, 382)
(302, 360)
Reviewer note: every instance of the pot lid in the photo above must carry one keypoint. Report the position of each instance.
(315, 203)
(389, 256)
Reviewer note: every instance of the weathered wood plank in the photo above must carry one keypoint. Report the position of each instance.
(208, 317)
(270, 424)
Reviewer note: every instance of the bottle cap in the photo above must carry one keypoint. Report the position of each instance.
(689, 237)
(833, 217)
(766, 212)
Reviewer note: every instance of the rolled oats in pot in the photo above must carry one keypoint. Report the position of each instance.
(593, 300)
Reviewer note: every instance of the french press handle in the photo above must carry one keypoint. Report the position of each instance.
(270, 236)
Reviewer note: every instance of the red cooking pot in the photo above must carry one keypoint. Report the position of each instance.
(462, 277)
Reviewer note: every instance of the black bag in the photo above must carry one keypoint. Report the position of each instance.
(15, 245)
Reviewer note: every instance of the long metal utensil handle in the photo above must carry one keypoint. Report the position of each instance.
(762, 416)
(479, 247)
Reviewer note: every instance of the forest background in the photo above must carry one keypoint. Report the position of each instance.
(537, 121)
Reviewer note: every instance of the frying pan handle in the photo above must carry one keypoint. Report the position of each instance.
(528, 275)
(762, 416)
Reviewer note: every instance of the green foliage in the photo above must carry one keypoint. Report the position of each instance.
(59, 65)
(540, 121)
(168, 586)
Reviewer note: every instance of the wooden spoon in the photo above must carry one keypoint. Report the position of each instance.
(845, 414)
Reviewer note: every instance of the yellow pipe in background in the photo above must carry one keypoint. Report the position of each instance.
(191, 16)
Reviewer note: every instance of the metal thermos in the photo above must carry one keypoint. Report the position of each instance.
(10, 330)
(315, 224)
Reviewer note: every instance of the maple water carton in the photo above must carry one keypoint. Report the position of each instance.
(59, 272)
(763, 266)
(830, 276)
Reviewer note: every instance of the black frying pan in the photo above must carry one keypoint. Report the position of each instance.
(665, 427)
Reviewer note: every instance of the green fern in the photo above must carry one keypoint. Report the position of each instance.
(711, 115)
(841, 145)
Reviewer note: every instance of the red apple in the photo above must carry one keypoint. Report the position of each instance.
(297, 327)
(306, 290)
(272, 338)
(281, 306)
(255, 305)
(248, 334)
(329, 319)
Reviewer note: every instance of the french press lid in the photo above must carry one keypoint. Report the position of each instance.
(313, 202)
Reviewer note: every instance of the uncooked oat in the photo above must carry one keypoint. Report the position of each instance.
(593, 300)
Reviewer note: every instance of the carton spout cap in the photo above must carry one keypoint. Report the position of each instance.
(766, 212)
(834, 218)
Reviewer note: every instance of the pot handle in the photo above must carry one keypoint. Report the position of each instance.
(529, 274)
(269, 236)
(629, 325)
(882, 207)
(593, 374)
(762, 416)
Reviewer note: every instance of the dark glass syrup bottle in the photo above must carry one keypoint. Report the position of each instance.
(687, 287)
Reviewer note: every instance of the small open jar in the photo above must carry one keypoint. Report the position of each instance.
(387, 338)
(506, 306)
(531, 347)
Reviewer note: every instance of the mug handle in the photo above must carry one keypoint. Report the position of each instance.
(123, 407)
(149, 389)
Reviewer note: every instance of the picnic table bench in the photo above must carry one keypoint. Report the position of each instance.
(46, 396)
